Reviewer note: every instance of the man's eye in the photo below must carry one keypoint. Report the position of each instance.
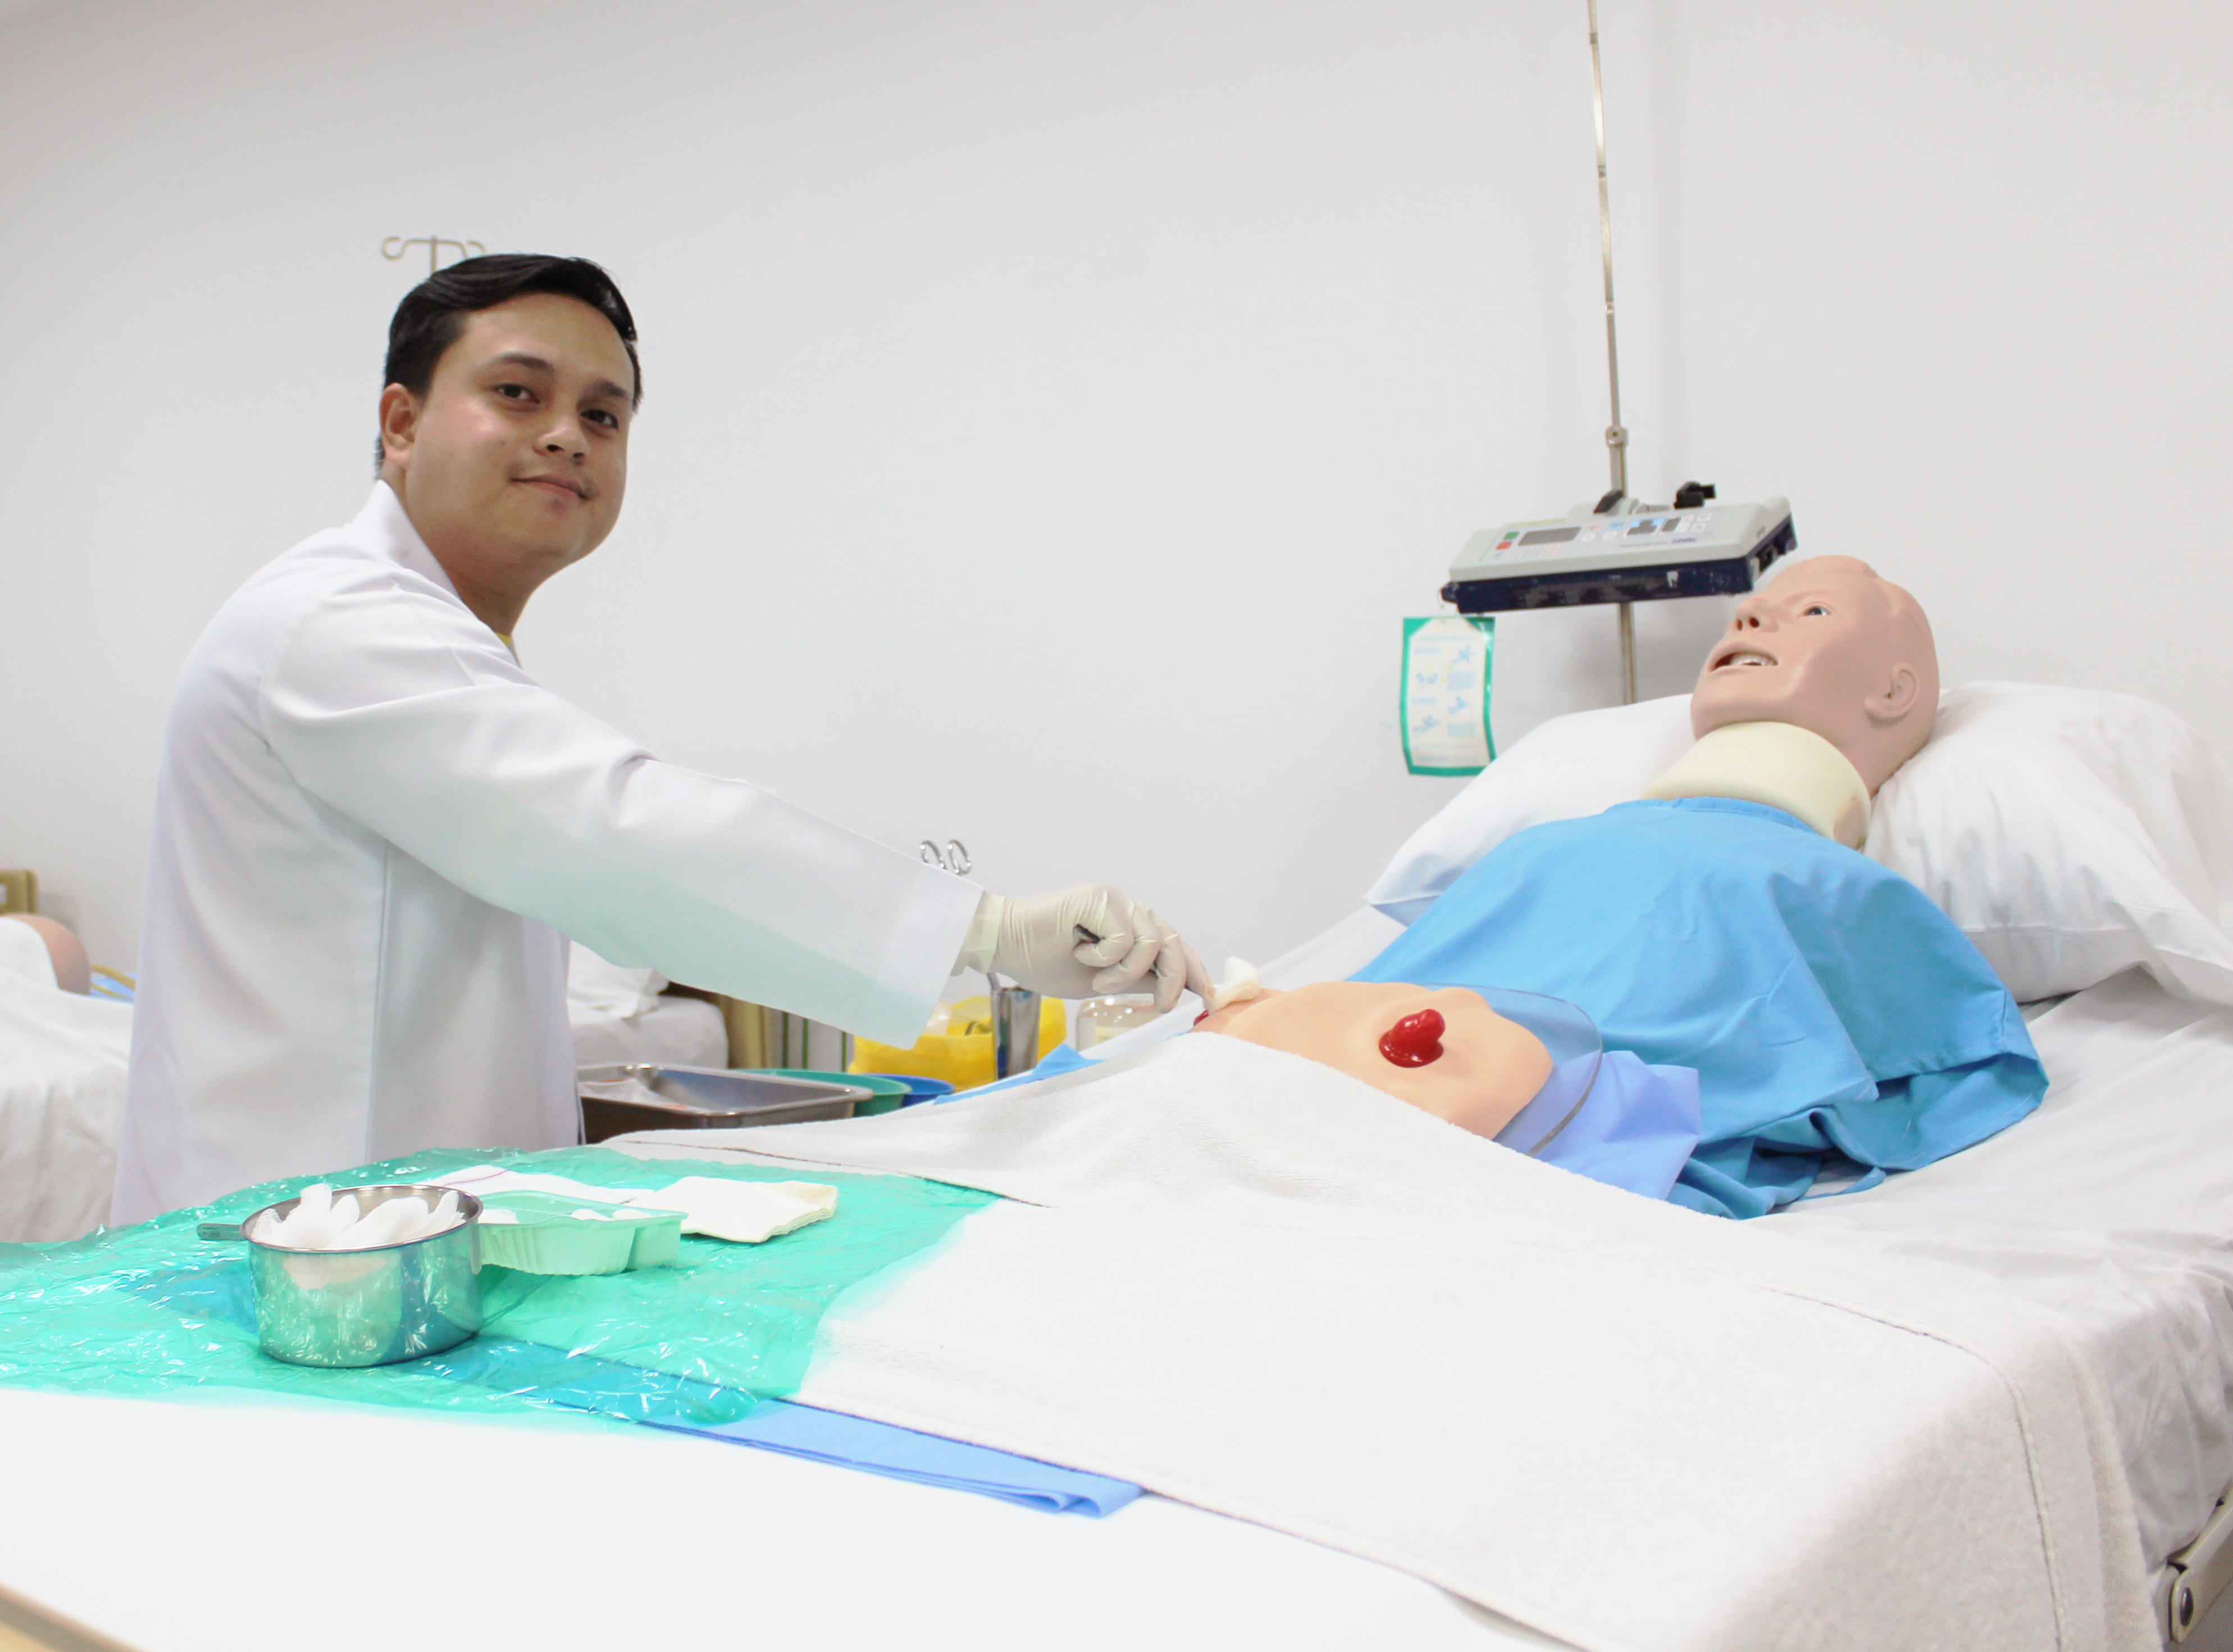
(605, 419)
(512, 392)
(1816, 608)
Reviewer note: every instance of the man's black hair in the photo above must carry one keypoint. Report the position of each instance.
(432, 315)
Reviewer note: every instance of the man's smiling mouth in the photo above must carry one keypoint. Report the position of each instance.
(1744, 657)
(556, 484)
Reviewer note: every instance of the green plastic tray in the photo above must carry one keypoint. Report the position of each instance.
(550, 1239)
(891, 1094)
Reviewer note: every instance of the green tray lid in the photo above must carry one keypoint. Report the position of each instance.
(890, 1094)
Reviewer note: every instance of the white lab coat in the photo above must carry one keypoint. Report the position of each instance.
(373, 831)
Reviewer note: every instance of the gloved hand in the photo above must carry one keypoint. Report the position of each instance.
(1036, 942)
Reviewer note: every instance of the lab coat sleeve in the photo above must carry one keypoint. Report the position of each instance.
(399, 711)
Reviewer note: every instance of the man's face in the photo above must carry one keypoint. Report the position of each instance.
(514, 463)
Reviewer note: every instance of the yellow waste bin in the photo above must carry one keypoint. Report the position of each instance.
(961, 1051)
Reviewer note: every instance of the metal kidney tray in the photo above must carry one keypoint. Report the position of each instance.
(615, 1100)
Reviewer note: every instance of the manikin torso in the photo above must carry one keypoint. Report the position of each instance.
(1441, 1050)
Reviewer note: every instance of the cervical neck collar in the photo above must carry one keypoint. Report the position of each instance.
(1780, 764)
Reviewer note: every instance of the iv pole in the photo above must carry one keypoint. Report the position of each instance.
(395, 246)
(1616, 437)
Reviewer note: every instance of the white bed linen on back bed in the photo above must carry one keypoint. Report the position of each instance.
(62, 1106)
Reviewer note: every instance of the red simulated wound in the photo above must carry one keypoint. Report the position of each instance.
(1415, 1040)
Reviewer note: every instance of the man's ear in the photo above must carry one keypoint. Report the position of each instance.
(1898, 698)
(399, 425)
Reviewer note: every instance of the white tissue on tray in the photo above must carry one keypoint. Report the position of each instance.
(321, 1222)
(745, 1213)
(481, 1179)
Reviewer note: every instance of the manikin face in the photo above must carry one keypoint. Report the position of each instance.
(1825, 648)
(515, 462)
(1476, 1069)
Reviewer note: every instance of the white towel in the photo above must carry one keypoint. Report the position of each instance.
(1259, 1285)
(745, 1212)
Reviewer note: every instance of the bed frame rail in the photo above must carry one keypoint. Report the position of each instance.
(2198, 1576)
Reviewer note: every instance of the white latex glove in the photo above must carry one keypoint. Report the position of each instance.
(1035, 941)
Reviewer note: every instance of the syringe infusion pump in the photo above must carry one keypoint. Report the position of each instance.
(1621, 549)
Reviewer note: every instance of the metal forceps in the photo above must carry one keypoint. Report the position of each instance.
(953, 858)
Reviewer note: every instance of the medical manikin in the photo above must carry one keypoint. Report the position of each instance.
(1725, 923)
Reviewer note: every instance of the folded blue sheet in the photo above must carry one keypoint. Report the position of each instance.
(929, 1460)
(1063, 1058)
(1832, 1012)
(1636, 1130)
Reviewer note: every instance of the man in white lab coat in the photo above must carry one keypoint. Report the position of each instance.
(374, 831)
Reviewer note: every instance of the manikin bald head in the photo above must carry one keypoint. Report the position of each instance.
(1834, 648)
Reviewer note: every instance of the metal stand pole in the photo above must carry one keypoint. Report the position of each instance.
(1615, 435)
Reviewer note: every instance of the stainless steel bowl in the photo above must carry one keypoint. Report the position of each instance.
(356, 1308)
(617, 1100)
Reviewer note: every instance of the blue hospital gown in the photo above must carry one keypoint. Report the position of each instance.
(1832, 1012)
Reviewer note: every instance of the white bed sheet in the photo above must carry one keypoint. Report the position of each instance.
(725, 1545)
(671, 1032)
(2112, 1206)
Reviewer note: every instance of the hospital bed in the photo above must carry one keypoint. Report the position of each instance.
(2110, 1209)
(620, 1016)
(62, 1096)
(2136, 1260)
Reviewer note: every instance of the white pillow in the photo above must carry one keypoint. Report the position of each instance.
(1581, 764)
(2070, 833)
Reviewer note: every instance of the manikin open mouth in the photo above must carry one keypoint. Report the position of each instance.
(1744, 657)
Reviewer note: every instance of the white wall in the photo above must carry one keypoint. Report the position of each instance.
(1053, 408)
